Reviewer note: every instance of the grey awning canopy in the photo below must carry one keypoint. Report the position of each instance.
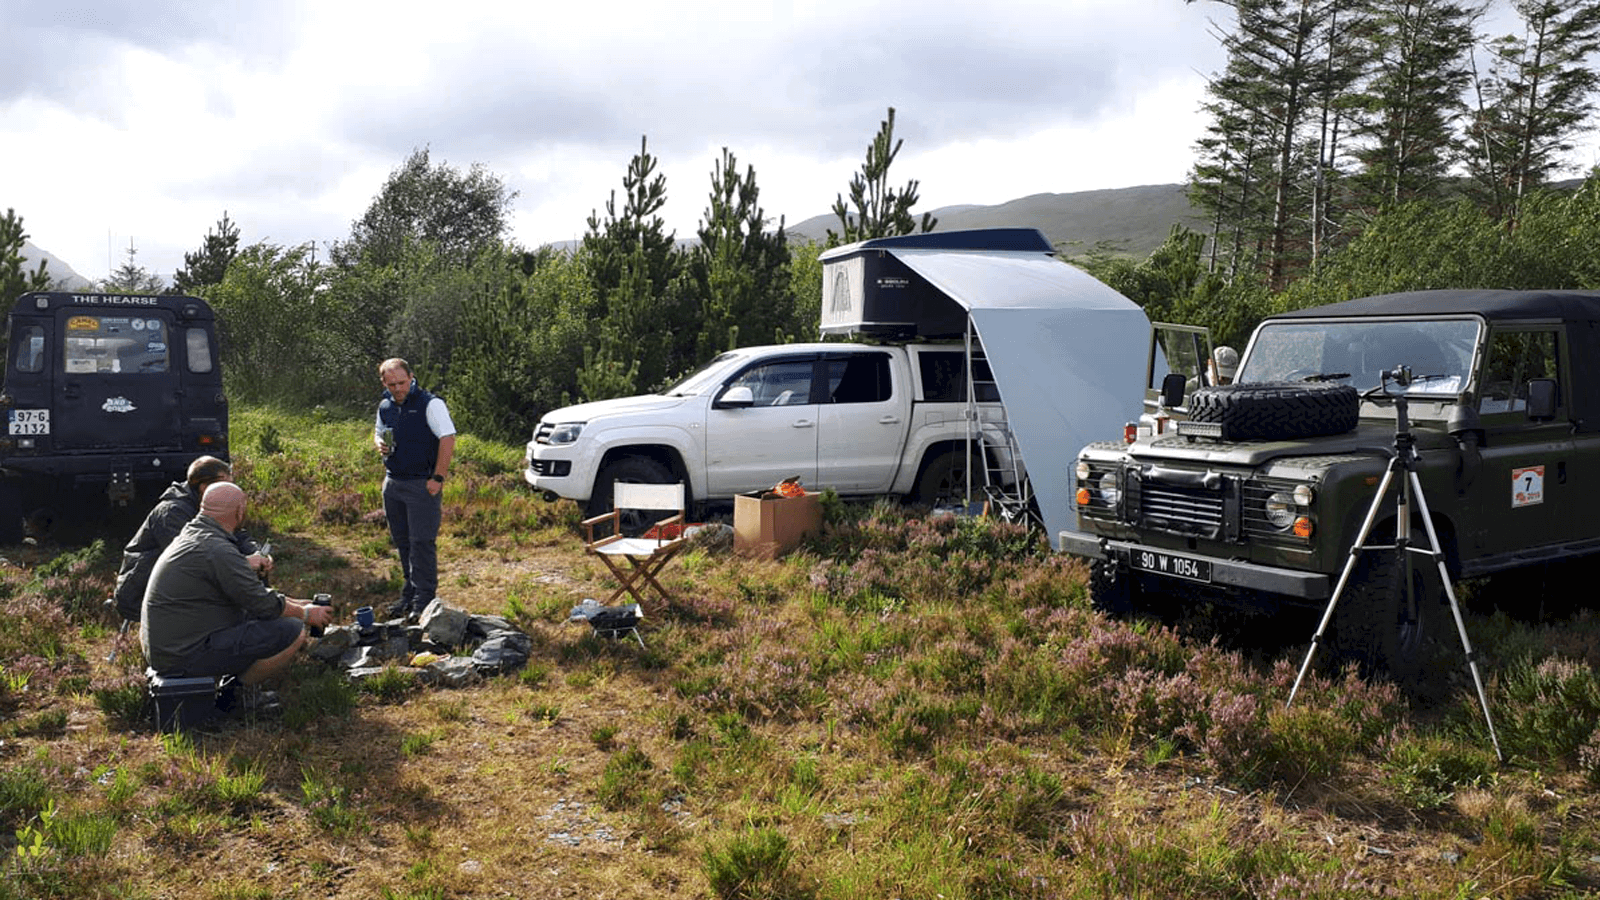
(1067, 351)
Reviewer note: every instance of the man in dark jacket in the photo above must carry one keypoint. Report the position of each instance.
(414, 433)
(205, 610)
(176, 506)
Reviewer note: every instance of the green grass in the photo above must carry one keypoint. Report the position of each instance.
(910, 707)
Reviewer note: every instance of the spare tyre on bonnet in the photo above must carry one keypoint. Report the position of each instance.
(106, 398)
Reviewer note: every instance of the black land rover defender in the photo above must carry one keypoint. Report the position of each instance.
(106, 398)
(1258, 497)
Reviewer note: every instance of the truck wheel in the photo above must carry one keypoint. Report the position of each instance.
(632, 470)
(1275, 411)
(944, 478)
(1377, 627)
(1111, 591)
(10, 515)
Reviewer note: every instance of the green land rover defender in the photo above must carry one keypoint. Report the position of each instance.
(1258, 497)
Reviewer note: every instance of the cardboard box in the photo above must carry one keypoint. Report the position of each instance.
(767, 526)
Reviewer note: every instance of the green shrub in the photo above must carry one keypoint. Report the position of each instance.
(122, 702)
(418, 744)
(76, 581)
(625, 781)
(1426, 771)
(23, 793)
(751, 865)
(1547, 709)
(324, 693)
(233, 786)
(391, 685)
(329, 805)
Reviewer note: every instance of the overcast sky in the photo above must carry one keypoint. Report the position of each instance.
(143, 121)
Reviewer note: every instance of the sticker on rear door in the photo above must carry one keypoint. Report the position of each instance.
(1527, 486)
(28, 421)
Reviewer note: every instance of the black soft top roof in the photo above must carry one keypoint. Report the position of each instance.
(1491, 304)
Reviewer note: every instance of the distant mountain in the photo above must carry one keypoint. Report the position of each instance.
(61, 274)
(1131, 221)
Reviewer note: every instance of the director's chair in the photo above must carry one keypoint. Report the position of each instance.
(644, 556)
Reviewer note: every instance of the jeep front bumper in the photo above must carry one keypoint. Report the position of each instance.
(1197, 568)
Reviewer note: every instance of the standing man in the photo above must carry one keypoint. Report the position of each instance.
(206, 611)
(416, 437)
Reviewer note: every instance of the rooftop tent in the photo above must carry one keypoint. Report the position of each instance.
(1067, 351)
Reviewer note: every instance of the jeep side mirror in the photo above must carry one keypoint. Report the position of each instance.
(737, 397)
(1172, 389)
(1541, 398)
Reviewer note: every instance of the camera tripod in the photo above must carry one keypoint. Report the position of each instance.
(1403, 463)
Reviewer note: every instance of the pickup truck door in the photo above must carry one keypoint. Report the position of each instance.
(864, 416)
(751, 448)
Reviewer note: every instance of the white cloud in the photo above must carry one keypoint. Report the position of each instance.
(290, 115)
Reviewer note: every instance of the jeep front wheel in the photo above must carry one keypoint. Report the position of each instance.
(1378, 625)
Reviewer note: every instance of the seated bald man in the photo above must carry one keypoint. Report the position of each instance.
(206, 612)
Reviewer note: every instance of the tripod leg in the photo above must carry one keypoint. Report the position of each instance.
(1455, 612)
(1344, 577)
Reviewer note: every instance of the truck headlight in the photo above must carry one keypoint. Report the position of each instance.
(1287, 509)
(1110, 490)
(1281, 510)
(565, 433)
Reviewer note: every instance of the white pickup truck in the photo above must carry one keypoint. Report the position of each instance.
(858, 418)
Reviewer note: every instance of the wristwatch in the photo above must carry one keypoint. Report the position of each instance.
(436, 477)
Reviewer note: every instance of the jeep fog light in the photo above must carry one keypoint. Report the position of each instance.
(1281, 510)
(565, 433)
(1082, 470)
(1304, 494)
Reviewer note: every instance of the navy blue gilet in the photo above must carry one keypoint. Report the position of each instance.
(415, 449)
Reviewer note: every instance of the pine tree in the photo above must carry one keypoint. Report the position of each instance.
(209, 264)
(132, 278)
(1421, 68)
(740, 269)
(637, 272)
(15, 280)
(878, 209)
(1258, 161)
(1533, 100)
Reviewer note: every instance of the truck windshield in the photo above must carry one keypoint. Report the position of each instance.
(696, 382)
(1438, 352)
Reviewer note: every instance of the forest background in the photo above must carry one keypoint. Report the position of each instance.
(1355, 147)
